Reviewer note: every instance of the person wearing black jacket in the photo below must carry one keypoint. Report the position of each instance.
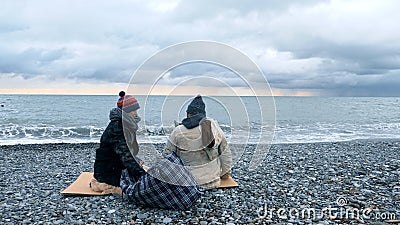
(118, 148)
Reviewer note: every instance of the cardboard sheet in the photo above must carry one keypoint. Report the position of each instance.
(228, 183)
(81, 185)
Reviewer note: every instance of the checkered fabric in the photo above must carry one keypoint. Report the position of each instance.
(152, 192)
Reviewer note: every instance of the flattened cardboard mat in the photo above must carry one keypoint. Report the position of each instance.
(81, 185)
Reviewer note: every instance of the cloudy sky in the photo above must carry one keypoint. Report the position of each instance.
(308, 47)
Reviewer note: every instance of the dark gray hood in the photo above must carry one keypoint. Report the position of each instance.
(128, 120)
(115, 113)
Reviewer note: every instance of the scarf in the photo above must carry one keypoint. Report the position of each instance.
(193, 121)
(131, 122)
(130, 126)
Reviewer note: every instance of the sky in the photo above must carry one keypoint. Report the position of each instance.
(308, 47)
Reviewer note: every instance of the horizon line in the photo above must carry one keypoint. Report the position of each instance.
(187, 95)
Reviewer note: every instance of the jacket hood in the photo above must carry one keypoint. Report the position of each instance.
(211, 133)
(115, 113)
(217, 132)
(208, 134)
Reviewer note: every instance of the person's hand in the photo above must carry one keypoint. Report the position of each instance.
(146, 168)
(141, 163)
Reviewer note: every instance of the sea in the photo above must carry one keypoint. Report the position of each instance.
(40, 119)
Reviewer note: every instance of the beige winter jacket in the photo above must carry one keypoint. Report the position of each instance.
(207, 164)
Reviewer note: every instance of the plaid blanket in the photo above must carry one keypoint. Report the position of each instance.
(168, 185)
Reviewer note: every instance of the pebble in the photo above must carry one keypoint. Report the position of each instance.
(167, 220)
(58, 222)
(142, 216)
(111, 211)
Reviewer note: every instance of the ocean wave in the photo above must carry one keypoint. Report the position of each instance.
(284, 133)
(330, 132)
(41, 130)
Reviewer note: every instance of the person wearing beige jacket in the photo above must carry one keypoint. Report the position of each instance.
(202, 146)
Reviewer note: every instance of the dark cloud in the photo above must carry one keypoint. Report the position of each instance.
(202, 74)
(379, 89)
(9, 28)
(30, 62)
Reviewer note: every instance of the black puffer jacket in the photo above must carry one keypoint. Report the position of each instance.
(113, 155)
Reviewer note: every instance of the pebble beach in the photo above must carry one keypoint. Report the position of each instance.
(295, 184)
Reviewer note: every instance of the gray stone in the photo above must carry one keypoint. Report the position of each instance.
(142, 216)
(167, 220)
(58, 222)
(111, 211)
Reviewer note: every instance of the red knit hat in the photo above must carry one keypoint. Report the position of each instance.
(129, 104)
(119, 102)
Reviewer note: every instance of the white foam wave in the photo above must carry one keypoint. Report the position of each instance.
(285, 133)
